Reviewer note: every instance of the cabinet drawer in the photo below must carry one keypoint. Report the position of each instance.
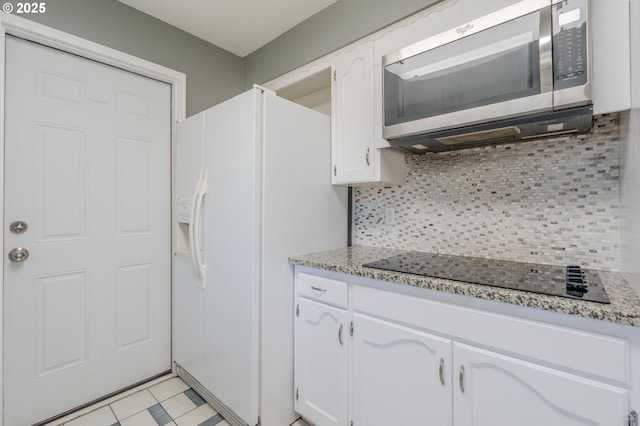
(325, 290)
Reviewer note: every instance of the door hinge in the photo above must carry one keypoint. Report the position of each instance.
(351, 329)
(259, 421)
(350, 423)
(633, 418)
(298, 310)
(335, 170)
(297, 393)
(334, 75)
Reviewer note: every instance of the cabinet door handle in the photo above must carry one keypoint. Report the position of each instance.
(340, 335)
(367, 156)
(321, 290)
(441, 371)
(462, 378)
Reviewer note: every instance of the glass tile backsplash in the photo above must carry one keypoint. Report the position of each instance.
(552, 201)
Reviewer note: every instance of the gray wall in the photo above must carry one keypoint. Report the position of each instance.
(334, 27)
(213, 74)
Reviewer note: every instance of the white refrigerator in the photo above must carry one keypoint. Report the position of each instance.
(252, 187)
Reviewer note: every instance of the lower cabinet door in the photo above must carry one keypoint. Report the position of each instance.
(493, 389)
(321, 338)
(401, 376)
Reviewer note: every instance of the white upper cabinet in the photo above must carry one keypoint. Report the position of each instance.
(352, 117)
(611, 55)
(356, 156)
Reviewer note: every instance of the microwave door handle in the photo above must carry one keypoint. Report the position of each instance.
(544, 48)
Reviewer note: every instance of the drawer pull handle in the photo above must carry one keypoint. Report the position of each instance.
(318, 289)
(441, 371)
(340, 336)
(462, 378)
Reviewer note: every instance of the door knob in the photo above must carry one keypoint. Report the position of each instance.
(18, 254)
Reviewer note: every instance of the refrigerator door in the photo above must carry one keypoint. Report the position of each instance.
(231, 310)
(186, 292)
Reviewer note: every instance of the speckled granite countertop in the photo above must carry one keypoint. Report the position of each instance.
(623, 309)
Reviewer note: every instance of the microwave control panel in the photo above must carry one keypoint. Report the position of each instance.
(570, 51)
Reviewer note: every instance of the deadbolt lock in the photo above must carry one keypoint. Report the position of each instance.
(18, 227)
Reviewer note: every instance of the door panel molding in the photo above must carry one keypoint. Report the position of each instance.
(32, 31)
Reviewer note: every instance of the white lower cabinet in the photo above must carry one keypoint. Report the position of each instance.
(412, 361)
(400, 376)
(493, 389)
(320, 367)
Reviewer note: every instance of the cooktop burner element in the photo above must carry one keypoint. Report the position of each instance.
(565, 281)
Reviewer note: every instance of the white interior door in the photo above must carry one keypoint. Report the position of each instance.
(87, 170)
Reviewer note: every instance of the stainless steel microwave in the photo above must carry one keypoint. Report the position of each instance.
(518, 73)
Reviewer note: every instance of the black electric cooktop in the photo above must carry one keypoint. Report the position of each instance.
(565, 281)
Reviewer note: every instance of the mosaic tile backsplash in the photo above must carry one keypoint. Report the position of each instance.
(551, 201)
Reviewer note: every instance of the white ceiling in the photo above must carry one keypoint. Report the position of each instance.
(239, 26)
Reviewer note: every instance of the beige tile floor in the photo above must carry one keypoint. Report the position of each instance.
(166, 401)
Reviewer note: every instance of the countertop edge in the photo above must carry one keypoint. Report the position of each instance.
(624, 308)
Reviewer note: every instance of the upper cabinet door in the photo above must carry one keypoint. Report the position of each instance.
(611, 58)
(493, 389)
(352, 117)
